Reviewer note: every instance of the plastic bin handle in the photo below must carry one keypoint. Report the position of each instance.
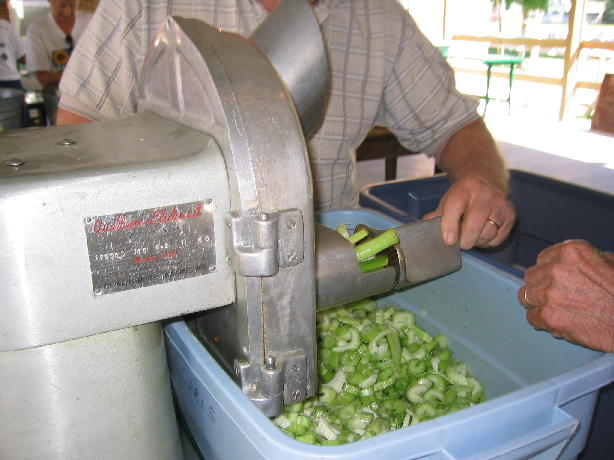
(546, 442)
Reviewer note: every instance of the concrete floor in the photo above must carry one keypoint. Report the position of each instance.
(568, 151)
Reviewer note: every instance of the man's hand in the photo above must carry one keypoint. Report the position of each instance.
(475, 208)
(481, 213)
(570, 292)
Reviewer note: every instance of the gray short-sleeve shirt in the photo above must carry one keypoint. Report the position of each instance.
(384, 71)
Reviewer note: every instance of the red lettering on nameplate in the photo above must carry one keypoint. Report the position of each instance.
(140, 260)
(158, 216)
(135, 249)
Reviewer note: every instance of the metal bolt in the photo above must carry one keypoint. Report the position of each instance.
(269, 362)
(208, 201)
(237, 370)
(291, 223)
(292, 256)
(98, 291)
(296, 394)
(263, 217)
(295, 368)
(67, 141)
(15, 162)
(212, 268)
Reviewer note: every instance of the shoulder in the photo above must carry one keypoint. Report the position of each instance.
(39, 24)
(111, 14)
(82, 19)
(388, 15)
(130, 8)
(377, 7)
(7, 30)
(83, 15)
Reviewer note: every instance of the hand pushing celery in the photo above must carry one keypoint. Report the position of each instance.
(378, 371)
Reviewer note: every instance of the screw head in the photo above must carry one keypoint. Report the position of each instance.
(291, 223)
(296, 394)
(291, 256)
(15, 162)
(67, 141)
(263, 217)
(269, 362)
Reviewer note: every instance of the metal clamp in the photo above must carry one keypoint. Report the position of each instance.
(262, 242)
(275, 382)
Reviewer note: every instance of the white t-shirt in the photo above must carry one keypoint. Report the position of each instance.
(11, 49)
(47, 46)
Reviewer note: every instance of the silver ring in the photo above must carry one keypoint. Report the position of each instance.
(526, 299)
(490, 221)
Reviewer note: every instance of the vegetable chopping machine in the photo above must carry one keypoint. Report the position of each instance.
(201, 200)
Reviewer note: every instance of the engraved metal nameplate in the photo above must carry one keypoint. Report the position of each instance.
(150, 246)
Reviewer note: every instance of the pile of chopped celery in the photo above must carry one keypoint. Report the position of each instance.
(377, 371)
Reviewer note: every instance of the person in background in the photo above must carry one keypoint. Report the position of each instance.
(11, 53)
(383, 72)
(51, 39)
(570, 292)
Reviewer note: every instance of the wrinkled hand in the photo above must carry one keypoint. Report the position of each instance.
(479, 211)
(570, 292)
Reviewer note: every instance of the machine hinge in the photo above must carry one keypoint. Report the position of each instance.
(296, 386)
(263, 242)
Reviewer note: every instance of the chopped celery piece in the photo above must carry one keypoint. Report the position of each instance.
(357, 236)
(326, 430)
(373, 264)
(343, 231)
(382, 241)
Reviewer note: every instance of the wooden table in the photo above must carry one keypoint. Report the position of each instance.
(381, 143)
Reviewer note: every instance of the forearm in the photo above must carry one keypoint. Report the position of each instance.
(66, 117)
(475, 207)
(46, 78)
(472, 151)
